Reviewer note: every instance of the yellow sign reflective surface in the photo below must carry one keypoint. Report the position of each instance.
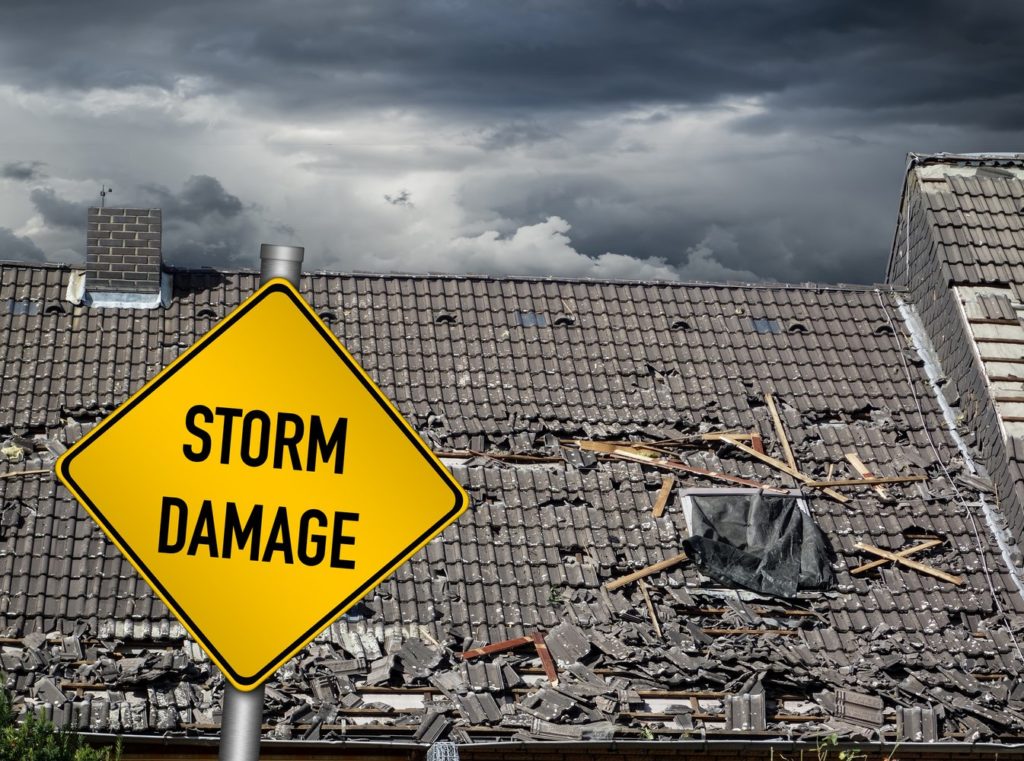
(262, 484)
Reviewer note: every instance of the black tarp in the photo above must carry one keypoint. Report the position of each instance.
(759, 541)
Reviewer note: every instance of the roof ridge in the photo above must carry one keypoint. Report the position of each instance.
(767, 285)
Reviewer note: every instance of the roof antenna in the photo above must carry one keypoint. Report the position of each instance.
(103, 193)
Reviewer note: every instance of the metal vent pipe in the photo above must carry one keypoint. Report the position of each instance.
(281, 261)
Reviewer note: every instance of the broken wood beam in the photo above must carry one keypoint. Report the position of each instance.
(925, 545)
(780, 431)
(650, 570)
(19, 473)
(873, 481)
(667, 483)
(763, 612)
(754, 437)
(780, 465)
(727, 632)
(718, 435)
(862, 470)
(496, 647)
(910, 563)
(650, 608)
(656, 459)
(545, 657)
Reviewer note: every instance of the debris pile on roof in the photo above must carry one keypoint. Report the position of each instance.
(561, 606)
(619, 638)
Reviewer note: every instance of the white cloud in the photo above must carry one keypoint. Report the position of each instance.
(702, 263)
(545, 249)
(185, 102)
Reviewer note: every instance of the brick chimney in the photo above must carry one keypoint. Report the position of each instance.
(123, 253)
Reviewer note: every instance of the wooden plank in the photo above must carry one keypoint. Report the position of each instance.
(425, 633)
(1010, 399)
(717, 435)
(780, 431)
(910, 563)
(650, 608)
(18, 473)
(862, 470)
(866, 481)
(650, 570)
(496, 647)
(756, 442)
(780, 465)
(764, 612)
(637, 454)
(925, 545)
(545, 657)
(596, 446)
(667, 483)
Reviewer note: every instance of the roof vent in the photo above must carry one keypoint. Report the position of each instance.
(327, 316)
(796, 327)
(207, 313)
(445, 318)
(680, 324)
(565, 320)
(55, 308)
(883, 329)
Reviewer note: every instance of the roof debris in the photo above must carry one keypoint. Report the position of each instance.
(521, 621)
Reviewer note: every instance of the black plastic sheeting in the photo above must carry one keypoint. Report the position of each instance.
(758, 541)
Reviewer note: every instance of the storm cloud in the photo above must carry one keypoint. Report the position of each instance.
(19, 247)
(22, 171)
(203, 224)
(57, 211)
(766, 142)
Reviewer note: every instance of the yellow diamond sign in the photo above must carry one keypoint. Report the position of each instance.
(262, 484)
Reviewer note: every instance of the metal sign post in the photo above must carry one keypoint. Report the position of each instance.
(241, 723)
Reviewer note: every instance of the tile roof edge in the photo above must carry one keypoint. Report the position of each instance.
(966, 158)
(805, 286)
(41, 265)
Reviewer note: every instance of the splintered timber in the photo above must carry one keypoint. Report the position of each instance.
(311, 536)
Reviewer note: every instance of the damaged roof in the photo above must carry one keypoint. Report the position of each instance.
(562, 406)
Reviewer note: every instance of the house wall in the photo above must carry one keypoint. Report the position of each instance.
(917, 266)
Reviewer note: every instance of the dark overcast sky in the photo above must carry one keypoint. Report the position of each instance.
(652, 139)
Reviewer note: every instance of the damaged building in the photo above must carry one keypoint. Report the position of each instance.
(706, 520)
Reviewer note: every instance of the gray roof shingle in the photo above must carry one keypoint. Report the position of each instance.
(612, 361)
